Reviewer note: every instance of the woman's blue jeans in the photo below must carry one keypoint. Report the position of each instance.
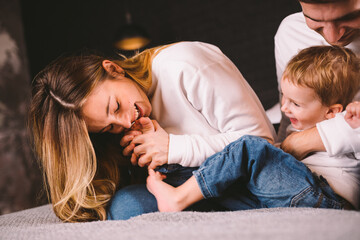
(249, 173)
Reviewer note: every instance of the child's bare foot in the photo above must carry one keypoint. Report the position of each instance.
(167, 196)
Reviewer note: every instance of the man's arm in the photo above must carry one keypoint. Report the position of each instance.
(300, 144)
(336, 136)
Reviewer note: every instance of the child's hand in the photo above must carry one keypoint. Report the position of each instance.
(352, 116)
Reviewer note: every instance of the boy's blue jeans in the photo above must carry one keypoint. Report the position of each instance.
(249, 173)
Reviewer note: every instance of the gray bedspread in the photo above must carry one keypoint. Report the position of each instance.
(278, 223)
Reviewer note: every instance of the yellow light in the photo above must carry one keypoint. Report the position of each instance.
(131, 43)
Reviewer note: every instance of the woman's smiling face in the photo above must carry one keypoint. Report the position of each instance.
(114, 104)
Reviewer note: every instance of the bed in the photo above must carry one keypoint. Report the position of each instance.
(276, 223)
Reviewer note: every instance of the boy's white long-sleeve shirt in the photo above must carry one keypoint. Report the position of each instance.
(340, 164)
(201, 99)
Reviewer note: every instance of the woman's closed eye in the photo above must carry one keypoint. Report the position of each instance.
(117, 107)
(110, 127)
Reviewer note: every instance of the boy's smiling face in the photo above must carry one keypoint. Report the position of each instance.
(301, 105)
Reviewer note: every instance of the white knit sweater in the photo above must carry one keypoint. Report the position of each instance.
(201, 99)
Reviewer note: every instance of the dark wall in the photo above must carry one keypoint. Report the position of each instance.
(20, 177)
(244, 30)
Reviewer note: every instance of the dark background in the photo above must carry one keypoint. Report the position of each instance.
(243, 30)
(43, 30)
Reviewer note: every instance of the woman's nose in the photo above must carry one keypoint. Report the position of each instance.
(123, 121)
(332, 32)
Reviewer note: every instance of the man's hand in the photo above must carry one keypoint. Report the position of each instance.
(300, 144)
(352, 116)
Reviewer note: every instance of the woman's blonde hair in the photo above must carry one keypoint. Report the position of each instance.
(332, 72)
(81, 171)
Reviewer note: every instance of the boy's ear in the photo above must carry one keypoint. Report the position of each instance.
(333, 110)
(112, 68)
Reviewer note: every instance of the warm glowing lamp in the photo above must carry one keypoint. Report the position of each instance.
(130, 36)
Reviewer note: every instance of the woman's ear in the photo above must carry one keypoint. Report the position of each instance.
(333, 110)
(112, 68)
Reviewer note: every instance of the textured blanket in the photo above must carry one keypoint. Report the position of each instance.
(278, 223)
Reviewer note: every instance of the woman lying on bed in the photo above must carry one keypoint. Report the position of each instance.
(197, 96)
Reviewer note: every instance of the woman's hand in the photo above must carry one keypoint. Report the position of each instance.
(143, 125)
(127, 138)
(300, 144)
(150, 148)
(352, 116)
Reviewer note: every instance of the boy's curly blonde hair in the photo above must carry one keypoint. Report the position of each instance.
(332, 72)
